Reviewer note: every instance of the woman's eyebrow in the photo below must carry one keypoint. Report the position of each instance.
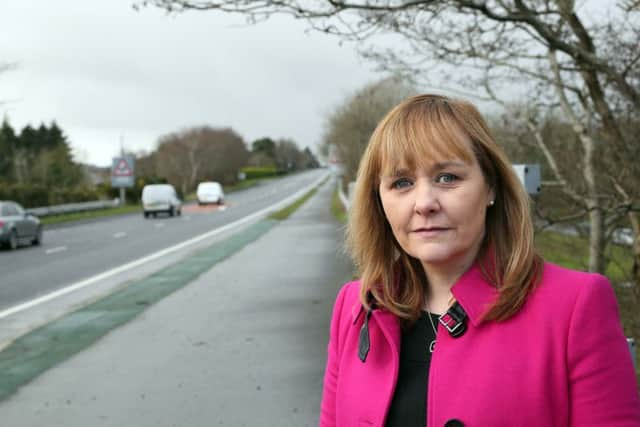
(404, 171)
(448, 164)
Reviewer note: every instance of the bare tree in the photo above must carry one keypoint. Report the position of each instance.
(550, 52)
(202, 153)
(226, 152)
(288, 156)
(350, 125)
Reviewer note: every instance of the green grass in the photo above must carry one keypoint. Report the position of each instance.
(573, 252)
(76, 216)
(284, 213)
(337, 208)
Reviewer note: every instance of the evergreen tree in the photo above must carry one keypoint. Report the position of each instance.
(56, 136)
(28, 139)
(7, 144)
(264, 145)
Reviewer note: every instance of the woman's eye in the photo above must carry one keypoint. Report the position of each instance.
(401, 183)
(446, 178)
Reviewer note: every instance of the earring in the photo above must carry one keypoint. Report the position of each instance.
(491, 202)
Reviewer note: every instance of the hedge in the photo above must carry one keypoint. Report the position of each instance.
(33, 195)
(254, 172)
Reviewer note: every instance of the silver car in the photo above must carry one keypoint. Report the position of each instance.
(18, 226)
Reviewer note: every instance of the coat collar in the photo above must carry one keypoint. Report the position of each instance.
(388, 321)
(472, 290)
(474, 293)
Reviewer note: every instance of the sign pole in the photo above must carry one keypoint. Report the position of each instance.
(123, 196)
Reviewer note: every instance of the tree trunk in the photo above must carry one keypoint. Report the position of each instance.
(634, 219)
(596, 239)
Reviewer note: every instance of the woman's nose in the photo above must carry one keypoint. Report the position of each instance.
(426, 198)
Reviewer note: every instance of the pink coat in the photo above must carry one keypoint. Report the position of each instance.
(561, 361)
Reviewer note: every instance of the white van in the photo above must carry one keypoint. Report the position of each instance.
(160, 198)
(210, 192)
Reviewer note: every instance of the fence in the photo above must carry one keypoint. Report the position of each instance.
(73, 207)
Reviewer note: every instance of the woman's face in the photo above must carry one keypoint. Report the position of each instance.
(437, 213)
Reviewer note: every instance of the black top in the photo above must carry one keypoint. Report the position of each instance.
(409, 405)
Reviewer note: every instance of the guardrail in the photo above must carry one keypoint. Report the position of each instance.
(73, 207)
(343, 198)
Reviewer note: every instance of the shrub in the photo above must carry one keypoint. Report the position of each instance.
(254, 172)
(33, 195)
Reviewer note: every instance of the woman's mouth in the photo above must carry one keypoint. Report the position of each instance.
(430, 231)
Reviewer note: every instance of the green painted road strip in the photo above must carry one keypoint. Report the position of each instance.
(45, 347)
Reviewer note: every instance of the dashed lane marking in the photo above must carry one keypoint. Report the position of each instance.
(55, 250)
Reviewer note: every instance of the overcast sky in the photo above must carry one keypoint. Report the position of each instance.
(102, 70)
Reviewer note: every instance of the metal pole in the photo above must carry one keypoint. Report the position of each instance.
(632, 349)
(123, 195)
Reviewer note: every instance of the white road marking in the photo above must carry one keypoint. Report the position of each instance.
(119, 235)
(55, 250)
(159, 224)
(222, 208)
(186, 218)
(106, 274)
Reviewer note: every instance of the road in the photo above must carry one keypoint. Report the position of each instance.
(242, 345)
(72, 253)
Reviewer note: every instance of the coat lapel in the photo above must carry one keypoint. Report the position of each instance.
(390, 328)
(474, 293)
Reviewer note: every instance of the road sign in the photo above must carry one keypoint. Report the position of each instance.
(529, 176)
(122, 172)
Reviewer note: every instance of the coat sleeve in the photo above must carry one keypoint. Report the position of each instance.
(328, 405)
(602, 382)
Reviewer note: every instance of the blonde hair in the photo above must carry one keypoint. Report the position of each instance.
(418, 131)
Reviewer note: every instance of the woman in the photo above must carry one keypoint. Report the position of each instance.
(456, 320)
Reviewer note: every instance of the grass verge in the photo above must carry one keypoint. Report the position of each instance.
(284, 213)
(573, 252)
(337, 208)
(76, 216)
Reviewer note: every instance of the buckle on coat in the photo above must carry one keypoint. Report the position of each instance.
(453, 320)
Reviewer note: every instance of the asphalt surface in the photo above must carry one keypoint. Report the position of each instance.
(75, 252)
(243, 344)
